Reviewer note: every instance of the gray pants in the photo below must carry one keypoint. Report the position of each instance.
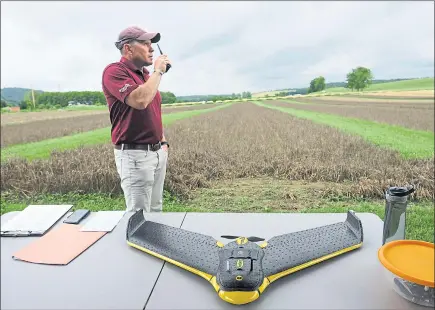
(142, 176)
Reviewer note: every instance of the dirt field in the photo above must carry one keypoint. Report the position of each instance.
(190, 107)
(46, 125)
(17, 133)
(26, 117)
(359, 99)
(403, 93)
(415, 116)
(350, 101)
(243, 141)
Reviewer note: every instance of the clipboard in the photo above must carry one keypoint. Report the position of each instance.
(34, 220)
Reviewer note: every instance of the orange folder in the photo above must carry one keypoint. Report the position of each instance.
(59, 246)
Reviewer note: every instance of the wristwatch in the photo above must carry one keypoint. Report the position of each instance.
(158, 71)
(165, 143)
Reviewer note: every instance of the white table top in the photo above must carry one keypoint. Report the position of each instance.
(112, 275)
(108, 275)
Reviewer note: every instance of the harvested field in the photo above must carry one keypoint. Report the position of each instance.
(408, 94)
(366, 100)
(416, 93)
(26, 117)
(386, 97)
(63, 124)
(414, 116)
(169, 109)
(241, 141)
(51, 128)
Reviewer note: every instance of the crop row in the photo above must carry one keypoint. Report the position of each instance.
(241, 141)
(47, 125)
(419, 116)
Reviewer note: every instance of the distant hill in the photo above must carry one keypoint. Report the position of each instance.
(304, 90)
(14, 95)
(402, 85)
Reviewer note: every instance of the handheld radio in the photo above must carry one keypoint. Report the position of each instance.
(168, 66)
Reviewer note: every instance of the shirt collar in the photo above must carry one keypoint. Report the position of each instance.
(131, 65)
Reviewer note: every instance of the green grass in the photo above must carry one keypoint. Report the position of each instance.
(93, 202)
(42, 149)
(409, 143)
(415, 84)
(420, 223)
(420, 217)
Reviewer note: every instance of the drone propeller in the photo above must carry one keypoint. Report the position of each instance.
(252, 239)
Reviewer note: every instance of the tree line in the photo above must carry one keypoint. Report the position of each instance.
(214, 98)
(57, 100)
(357, 79)
(234, 96)
(47, 100)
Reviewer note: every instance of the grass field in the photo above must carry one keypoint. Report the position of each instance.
(43, 148)
(418, 88)
(411, 115)
(262, 156)
(37, 126)
(406, 85)
(409, 143)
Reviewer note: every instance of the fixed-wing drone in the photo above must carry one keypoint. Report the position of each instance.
(241, 270)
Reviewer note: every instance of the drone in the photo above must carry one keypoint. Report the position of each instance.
(241, 270)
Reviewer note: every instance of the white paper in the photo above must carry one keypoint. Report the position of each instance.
(103, 221)
(34, 220)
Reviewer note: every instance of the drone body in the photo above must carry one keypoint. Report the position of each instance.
(241, 270)
(240, 274)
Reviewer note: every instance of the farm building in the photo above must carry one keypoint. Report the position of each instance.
(13, 109)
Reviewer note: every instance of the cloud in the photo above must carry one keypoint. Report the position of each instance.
(217, 47)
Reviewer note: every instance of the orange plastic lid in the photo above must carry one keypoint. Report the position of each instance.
(412, 260)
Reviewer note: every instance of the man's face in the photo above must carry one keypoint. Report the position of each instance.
(141, 53)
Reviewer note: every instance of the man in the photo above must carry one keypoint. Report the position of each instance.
(140, 146)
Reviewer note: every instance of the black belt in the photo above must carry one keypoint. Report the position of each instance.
(145, 147)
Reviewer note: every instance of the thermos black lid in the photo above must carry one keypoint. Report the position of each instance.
(400, 191)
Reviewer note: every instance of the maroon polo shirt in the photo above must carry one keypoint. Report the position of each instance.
(130, 125)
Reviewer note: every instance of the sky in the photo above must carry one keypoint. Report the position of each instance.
(217, 47)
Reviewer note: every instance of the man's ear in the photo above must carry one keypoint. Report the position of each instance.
(127, 48)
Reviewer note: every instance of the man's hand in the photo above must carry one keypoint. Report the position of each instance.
(160, 63)
(165, 145)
